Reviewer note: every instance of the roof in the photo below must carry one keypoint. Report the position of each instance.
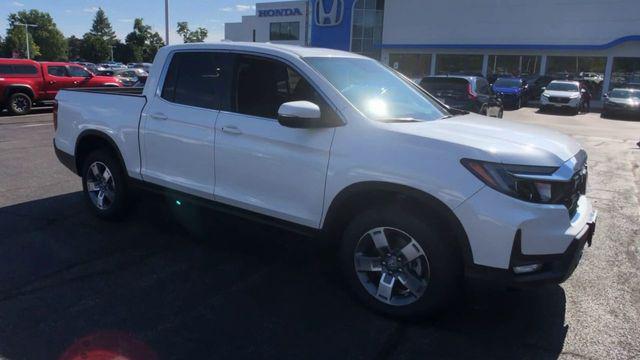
(17, 61)
(281, 49)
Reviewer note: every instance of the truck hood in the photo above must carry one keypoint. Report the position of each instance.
(491, 139)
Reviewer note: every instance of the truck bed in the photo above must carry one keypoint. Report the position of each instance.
(114, 112)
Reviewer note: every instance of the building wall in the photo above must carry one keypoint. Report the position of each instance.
(260, 22)
(509, 22)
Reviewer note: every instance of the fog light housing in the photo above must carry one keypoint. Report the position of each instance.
(525, 269)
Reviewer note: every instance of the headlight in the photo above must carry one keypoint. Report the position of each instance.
(515, 181)
(545, 96)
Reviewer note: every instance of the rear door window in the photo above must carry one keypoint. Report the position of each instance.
(77, 71)
(57, 70)
(198, 79)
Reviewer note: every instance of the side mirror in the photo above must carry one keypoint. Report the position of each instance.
(300, 115)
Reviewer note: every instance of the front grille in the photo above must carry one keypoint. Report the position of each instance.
(561, 100)
(569, 192)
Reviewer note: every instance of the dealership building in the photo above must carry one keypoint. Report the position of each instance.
(594, 39)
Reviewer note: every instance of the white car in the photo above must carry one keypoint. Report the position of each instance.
(336, 145)
(562, 94)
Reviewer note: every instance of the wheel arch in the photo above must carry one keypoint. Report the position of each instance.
(19, 88)
(369, 193)
(91, 140)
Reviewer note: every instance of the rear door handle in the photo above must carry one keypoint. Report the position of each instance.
(231, 130)
(159, 116)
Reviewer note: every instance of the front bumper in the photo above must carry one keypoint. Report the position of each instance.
(573, 103)
(505, 233)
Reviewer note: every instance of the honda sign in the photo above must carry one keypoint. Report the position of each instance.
(332, 17)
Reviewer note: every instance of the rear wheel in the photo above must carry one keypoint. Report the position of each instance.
(500, 113)
(19, 104)
(399, 264)
(104, 184)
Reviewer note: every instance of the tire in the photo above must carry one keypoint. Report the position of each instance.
(104, 184)
(501, 113)
(437, 261)
(19, 104)
(604, 114)
(519, 103)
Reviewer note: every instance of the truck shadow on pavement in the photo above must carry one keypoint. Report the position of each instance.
(69, 282)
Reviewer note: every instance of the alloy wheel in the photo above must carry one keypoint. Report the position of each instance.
(21, 103)
(100, 185)
(391, 266)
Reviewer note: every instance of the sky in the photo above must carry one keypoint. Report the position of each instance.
(74, 17)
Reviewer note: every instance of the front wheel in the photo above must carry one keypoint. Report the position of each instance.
(399, 264)
(104, 184)
(19, 104)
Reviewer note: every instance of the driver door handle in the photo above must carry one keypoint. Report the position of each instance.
(159, 116)
(232, 130)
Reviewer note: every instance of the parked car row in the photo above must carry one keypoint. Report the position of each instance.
(24, 83)
(475, 94)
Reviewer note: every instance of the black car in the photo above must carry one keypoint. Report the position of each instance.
(536, 85)
(621, 102)
(470, 93)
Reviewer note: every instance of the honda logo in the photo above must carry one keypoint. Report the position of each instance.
(332, 17)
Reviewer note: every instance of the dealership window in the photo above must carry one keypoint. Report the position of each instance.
(625, 72)
(513, 65)
(366, 31)
(589, 69)
(455, 64)
(414, 66)
(284, 31)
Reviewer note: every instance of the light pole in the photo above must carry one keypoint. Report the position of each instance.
(166, 21)
(112, 47)
(26, 32)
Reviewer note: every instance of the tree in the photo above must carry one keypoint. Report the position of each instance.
(95, 49)
(97, 43)
(46, 41)
(143, 43)
(101, 27)
(74, 45)
(188, 36)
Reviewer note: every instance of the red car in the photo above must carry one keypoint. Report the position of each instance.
(24, 83)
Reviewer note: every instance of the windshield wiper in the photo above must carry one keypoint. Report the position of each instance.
(399, 120)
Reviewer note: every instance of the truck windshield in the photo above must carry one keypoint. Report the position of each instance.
(376, 91)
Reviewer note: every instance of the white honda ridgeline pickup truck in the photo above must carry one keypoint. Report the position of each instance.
(416, 194)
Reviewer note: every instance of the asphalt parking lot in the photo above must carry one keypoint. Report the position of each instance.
(69, 281)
